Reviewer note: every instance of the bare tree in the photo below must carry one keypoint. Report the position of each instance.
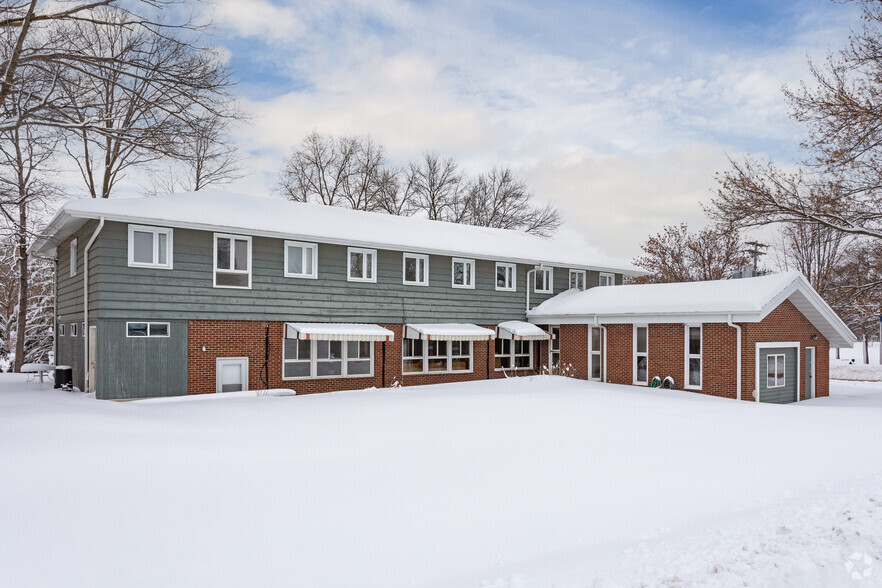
(151, 93)
(839, 186)
(206, 158)
(436, 186)
(816, 251)
(501, 200)
(676, 255)
(319, 170)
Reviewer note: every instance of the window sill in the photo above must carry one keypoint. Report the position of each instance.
(234, 287)
(520, 369)
(363, 280)
(340, 377)
(459, 287)
(437, 373)
(149, 266)
(301, 276)
(414, 284)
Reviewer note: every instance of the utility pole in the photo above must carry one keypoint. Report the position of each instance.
(755, 249)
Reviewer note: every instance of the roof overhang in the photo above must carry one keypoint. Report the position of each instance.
(65, 223)
(799, 292)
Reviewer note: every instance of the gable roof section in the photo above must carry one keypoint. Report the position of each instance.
(217, 210)
(745, 300)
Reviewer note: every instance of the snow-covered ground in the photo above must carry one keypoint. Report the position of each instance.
(531, 482)
(843, 369)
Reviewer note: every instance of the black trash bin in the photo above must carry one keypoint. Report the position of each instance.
(63, 375)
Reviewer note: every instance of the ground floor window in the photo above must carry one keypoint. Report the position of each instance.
(641, 354)
(421, 357)
(326, 359)
(594, 353)
(512, 354)
(554, 347)
(693, 357)
(775, 371)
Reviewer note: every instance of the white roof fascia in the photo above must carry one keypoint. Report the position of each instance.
(624, 319)
(38, 245)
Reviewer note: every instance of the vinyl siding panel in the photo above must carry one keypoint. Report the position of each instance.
(186, 292)
(140, 367)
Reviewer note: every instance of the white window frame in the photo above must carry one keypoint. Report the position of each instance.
(313, 362)
(783, 358)
(420, 258)
(584, 276)
(149, 329)
(595, 352)
(511, 272)
(549, 280)
(74, 327)
(61, 329)
(243, 361)
(689, 356)
(512, 355)
(466, 263)
(608, 277)
(232, 239)
(365, 253)
(636, 355)
(450, 357)
(551, 344)
(155, 231)
(313, 247)
(73, 257)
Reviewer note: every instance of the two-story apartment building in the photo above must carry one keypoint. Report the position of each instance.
(212, 291)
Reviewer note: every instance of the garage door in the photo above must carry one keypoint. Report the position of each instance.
(778, 374)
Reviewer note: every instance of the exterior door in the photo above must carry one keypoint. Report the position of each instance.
(809, 372)
(778, 371)
(93, 354)
(232, 374)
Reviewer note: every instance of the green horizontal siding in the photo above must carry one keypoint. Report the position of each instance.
(186, 292)
(787, 393)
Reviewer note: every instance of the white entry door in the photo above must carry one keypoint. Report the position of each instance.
(232, 374)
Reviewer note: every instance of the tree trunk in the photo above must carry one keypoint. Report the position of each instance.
(22, 319)
(837, 353)
(866, 350)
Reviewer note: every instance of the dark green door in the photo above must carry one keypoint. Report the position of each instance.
(778, 375)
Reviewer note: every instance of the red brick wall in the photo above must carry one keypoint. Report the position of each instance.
(620, 354)
(246, 339)
(667, 347)
(786, 323)
(574, 349)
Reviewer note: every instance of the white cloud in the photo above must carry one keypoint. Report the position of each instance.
(257, 18)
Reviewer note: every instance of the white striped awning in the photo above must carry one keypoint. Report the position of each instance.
(337, 332)
(449, 332)
(521, 331)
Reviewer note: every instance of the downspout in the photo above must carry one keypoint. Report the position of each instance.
(737, 356)
(86, 304)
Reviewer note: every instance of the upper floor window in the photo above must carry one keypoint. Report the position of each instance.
(416, 269)
(61, 329)
(607, 279)
(73, 257)
(463, 273)
(232, 261)
(542, 280)
(150, 247)
(505, 277)
(577, 279)
(301, 260)
(362, 265)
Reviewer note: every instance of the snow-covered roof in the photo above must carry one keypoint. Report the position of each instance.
(744, 300)
(521, 331)
(213, 210)
(338, 332)
(448, 332)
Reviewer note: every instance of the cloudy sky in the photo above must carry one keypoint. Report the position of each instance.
(618, 112)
